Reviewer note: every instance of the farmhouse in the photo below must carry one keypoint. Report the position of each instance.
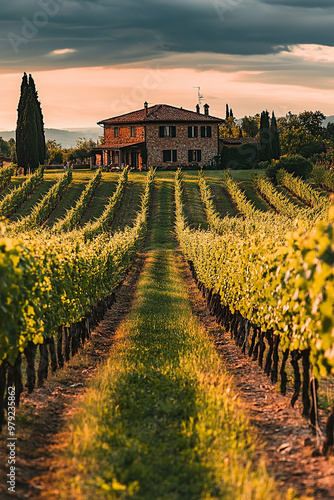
(159, 136)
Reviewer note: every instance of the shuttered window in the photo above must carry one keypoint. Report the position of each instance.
(167, 131)
(169, 155)
(192, 132)
(206, 131)
(194, 155)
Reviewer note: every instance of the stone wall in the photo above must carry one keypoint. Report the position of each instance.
(181, 143)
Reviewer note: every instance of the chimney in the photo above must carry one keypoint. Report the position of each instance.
(197, 108)
(206, 109)
(146, 107)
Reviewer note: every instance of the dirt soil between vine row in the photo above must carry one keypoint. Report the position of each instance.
(285, 438)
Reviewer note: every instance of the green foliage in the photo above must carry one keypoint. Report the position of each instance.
(10, 203)
(323, 177)
(302, 134)
(74, 214)
(65, 275)
(30, 138)
(6, 174)
(55, 153)
(302, 190)
(263, 165)
(284, 205)
(103, 223)
(285, 284)
(242, 157)
(266, 152)
(5, 148)
(43, 209)
(275, 140)
(251, 125)
(296, 165)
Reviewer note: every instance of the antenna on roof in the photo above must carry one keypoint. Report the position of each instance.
(199, 95)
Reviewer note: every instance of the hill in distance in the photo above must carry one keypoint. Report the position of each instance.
(67, 138)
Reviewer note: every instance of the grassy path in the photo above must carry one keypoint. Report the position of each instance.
(194, 210)
(160, 420)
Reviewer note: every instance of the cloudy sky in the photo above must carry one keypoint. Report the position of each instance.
(96, 59)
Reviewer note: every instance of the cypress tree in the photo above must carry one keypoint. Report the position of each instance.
(39, 122)
(20, 129)
(30, 138)
(231, 113)
(30, 125)
(265, 137)
(227, 112)
(275, 141)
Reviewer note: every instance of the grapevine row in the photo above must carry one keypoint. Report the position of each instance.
(92, 229)
(51, 283)
(14, 199)
(323, 177)
(42, 210)
(283, 205)
(302, 190)
(253, 219)
(74, 214)
(281, 290)
(6, 174)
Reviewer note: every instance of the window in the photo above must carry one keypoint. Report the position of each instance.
(192, 131)
(167, 131)
(115, 132)
(206, 131)
(132, 131)
(169, 155)
(194, 155)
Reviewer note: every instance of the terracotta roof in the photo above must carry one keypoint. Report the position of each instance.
(239, 140)
(161, 113)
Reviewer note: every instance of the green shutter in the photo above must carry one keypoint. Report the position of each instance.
(173, 131)
(209, 132)
(196, 131)
(174, 155)
(161, 131)
(202, 131)
(190, 155)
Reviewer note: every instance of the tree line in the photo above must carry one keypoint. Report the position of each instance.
(303, 134)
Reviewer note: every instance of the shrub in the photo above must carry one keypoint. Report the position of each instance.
(241, 157)
(295, 164)
(264, 165)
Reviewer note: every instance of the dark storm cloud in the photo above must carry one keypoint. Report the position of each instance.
(311, 4)
(108, 32)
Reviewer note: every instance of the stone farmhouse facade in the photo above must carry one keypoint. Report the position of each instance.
(159, 136)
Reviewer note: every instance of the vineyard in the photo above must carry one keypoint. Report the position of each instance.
(161, 417)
